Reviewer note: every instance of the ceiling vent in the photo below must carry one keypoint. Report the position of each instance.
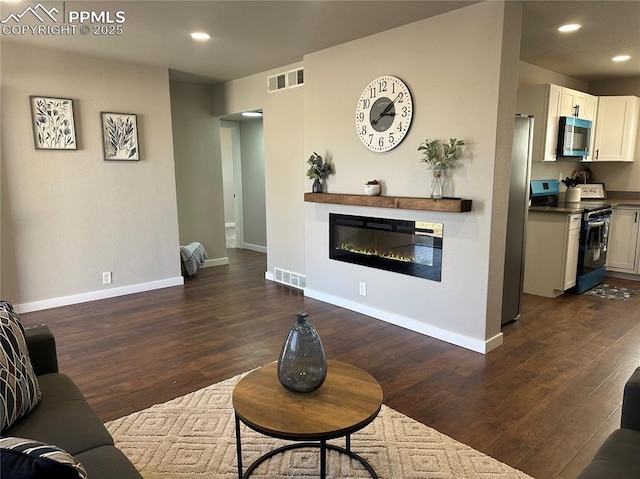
(282, 81)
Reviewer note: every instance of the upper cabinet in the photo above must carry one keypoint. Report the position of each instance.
(616, 128)
(615, 121)
(578, 104)
(543, 103)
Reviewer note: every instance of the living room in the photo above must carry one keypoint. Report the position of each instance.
(61, 209)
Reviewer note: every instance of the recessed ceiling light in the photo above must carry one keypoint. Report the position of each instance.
(621, 58)
(570, 27)
(200, 36)
(252, 113)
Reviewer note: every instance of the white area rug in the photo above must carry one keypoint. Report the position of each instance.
(194, 437)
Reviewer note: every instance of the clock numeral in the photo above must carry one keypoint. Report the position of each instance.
(372, 92)
(400, 98)
(366, 103)
(382, 85)
(381, 141)
(400, 127)
(405, 112)
(363, 130)
(391, 138)
(370, 137)
(361, 117)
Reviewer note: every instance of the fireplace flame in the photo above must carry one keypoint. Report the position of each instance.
(353, 248)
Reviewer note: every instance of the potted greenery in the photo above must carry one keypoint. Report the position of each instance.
(318, 171)
(439, 158)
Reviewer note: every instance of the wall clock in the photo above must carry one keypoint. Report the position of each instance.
(384, 113)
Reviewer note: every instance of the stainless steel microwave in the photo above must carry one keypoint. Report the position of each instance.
(574, 137)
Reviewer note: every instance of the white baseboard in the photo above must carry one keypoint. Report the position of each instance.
(467, 342)
(95, 295)
(255, 247)
(215, 262)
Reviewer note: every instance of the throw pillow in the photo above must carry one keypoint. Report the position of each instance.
(19, 388)
(28, 459)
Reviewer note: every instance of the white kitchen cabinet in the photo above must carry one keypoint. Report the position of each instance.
(579, 104)
(623, 251)
(543, 103)
(551, 253)
(616, 128)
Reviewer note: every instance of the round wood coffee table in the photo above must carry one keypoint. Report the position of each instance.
(349, 399)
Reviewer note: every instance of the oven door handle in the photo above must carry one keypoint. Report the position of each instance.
(595, 224)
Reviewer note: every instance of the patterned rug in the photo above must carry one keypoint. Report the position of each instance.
(194, 437)
(612, 292)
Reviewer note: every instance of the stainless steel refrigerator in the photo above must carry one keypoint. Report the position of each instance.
(517, 219)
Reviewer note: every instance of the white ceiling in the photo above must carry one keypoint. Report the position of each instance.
(254, 36)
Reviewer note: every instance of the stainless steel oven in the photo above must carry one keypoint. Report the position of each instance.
(592, 256)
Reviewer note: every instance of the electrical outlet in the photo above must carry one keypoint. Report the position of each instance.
(363, 288)
(106, 277)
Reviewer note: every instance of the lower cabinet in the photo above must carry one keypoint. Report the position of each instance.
(623, 252)
(551, 253)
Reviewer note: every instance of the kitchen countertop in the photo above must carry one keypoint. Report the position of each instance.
(575, 208)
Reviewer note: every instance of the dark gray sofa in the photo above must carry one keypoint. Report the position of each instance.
(64, 418)
(619, 455)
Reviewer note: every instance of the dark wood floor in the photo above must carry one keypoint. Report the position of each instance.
(543, 402)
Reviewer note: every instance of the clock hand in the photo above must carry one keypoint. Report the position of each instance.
(386, 110)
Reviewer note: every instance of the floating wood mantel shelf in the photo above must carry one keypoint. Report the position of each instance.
(450, 205)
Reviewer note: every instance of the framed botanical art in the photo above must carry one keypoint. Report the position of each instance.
(120, 136)
(53, 123)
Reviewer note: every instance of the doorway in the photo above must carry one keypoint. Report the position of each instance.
(244, 188)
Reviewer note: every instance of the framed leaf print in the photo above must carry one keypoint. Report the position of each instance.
(120, 136)
(53, 123)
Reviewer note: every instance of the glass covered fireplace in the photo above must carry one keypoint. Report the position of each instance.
(401, 246)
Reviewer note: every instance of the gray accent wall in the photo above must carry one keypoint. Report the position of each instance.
(69, 216)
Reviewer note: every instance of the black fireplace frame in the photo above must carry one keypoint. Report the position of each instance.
(431, 272)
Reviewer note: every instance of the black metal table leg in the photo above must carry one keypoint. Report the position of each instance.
(348, 442)
(323, 459)
(239, 447)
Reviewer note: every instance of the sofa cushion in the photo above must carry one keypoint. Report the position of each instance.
(617, 458)
(107, 462)
(63, 418)
(28, 459)
(19, 389)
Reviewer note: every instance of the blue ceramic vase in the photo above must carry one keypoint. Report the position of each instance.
(302, 366)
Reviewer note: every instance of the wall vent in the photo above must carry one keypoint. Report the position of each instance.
(282, 81)
(295, 78)
(289, 278)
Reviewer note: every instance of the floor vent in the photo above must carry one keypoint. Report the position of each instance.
(290, 278)
(282, 81)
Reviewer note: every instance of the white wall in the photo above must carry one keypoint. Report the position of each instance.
(461, 98)
(529, 74)
(284, 161)
(68, 216)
